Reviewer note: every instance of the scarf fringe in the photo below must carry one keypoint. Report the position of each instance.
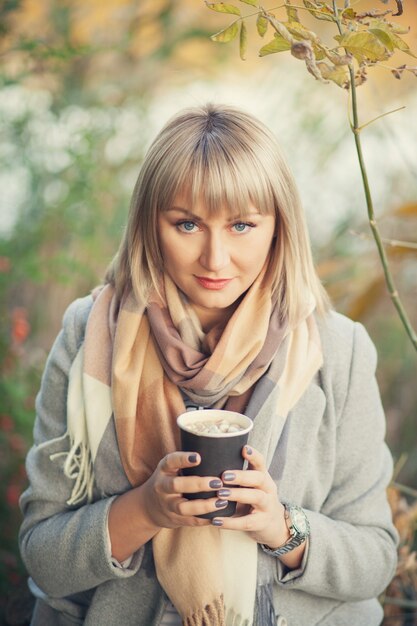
(264, 607)
(78, 466)
(210, 615)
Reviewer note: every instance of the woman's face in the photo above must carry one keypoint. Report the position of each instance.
(213, 260)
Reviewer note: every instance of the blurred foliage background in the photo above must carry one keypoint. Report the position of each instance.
(84, 87)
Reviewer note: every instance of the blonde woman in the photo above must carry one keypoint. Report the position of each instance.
(211, 301)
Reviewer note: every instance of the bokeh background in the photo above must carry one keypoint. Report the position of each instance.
(84, 87)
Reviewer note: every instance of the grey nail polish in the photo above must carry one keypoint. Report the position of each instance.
(192, 458)
(216, 483)
(217, 522)
(229, 476)
(224, 493)
(221, 503)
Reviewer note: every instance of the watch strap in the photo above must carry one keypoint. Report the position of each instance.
(293, 542)
(296, 538)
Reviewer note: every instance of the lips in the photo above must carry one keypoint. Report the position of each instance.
(216, 284)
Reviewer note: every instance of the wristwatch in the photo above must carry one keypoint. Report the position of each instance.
(298, 526)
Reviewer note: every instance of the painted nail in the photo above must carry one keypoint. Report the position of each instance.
(217, 522)
(249, 450)
(224, 493)
(229, 476)
(221, 503)
(192, 458)
(216, 483)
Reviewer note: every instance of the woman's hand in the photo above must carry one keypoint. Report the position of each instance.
(259, 512)
(163, 493)
(138, 514)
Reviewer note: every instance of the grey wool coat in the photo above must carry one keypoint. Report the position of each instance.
(337, 468)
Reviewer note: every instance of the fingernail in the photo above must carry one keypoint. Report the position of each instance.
(192, 458)
(228, 476)
(249, 450)
(221, 503)
(216, 483)
(217, 522)
(224, 493)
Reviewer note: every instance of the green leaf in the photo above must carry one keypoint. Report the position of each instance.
(364, 46)
(384, 37)
(222, 7)
(292, 12)
(337, 74)
(243, 43)
(227, 34)
(319, 52)
(320, 10)
(253, 3)
(379, 26)
(300, 32)
(348, 14)
(278, 44)
(262, 25)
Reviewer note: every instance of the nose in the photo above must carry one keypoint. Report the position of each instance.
(215, 254)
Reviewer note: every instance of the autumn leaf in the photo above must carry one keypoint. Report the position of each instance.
(222, 7)
(301, 32)
(278, 44)
(348, 14)
(261, 25)
(320, 10)
(253, 3)
(337, 73)
(364, 46)
(384, 37)
(227, 34)
(378, 27)
(243, 43)
(292, 12)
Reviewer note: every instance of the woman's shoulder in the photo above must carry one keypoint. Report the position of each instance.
(74, 322)
(346, 347)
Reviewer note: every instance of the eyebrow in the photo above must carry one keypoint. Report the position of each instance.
(192, 215)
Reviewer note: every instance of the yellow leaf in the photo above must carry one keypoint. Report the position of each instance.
(364, 46)
(300, 32)
(261, 25)
(253, 3)
(320, 10)
(348, 14)
(336, 73)
(222, 7)
(243, 43)
(384, 37)
(379, 26)
(292, 12)
(227, 34)
(278, 44)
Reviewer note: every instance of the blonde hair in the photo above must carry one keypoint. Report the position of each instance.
(225, 158)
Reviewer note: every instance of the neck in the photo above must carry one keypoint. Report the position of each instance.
(209, 318)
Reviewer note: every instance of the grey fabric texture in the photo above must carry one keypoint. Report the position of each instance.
(336, 467)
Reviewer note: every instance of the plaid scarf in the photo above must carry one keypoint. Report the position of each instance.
(132, 365)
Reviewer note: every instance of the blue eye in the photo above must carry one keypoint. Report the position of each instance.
(186, 226)
(242, 227)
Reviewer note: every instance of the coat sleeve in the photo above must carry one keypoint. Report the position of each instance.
(352, 546)
(65, 549)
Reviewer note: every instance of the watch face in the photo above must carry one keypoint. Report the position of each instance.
(299, 521)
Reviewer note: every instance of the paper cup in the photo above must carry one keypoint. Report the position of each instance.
(218, 451)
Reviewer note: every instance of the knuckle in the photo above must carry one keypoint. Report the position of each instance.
(175, 484)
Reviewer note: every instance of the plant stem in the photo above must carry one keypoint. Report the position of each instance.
(392, 290)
